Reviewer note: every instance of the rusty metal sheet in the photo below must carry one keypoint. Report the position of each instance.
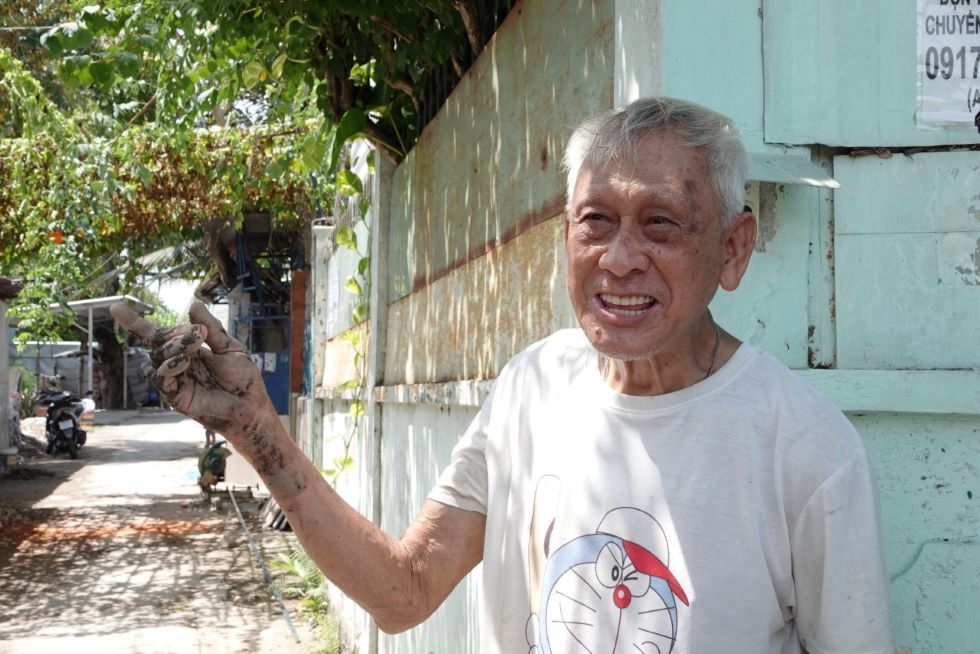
(486, 168)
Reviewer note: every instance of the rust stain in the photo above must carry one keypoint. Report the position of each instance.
(768, 221)
(533, 218)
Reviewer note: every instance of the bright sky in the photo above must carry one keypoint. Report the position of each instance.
(178, 294)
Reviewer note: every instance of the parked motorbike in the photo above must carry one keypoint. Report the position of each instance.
(63, 425)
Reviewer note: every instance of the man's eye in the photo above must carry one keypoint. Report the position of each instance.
(594, 217)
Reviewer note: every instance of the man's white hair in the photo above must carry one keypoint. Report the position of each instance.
(614, 134)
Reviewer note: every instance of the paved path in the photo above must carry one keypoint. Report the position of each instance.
(115, 552)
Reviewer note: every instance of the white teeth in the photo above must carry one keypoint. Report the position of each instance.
(625, 300)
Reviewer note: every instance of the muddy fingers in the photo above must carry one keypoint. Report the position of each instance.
(166, 374)
(186, 339)
(216, 337)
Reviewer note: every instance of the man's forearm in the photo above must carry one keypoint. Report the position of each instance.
(377, 571)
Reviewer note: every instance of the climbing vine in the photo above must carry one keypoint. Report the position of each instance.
(349, 188)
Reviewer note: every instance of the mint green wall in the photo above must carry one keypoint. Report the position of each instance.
(908, 261)
(929, 482)
(769, 309)
(878, 281)
(843, 72)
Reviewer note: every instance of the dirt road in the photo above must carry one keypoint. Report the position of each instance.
(115, 552)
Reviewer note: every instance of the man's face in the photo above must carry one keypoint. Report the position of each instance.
(645, 248)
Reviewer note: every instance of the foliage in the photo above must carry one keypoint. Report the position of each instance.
(364, 65)
(140, 123)
(303, 580)
(25, 21)
(75, 208)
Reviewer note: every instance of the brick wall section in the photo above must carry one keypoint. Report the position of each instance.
(297, 324)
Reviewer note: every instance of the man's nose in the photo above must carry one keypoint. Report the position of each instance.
(624, 255)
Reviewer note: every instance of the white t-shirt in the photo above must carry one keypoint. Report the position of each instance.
(735, 515)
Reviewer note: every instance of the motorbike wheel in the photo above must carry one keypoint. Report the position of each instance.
(72, 449)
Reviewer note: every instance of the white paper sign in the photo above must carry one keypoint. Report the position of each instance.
(949, 61)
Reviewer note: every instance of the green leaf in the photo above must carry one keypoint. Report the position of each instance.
(95, 19)
(101, 72)
(346, 238)
(363, 266)
(76, 36)
(312, 151)
(348, 183)
(253, 73)
(53, 43)
(277, 168)
(360, 73)
(77, 62)
(351, 336)
(356, 409)
(289, 23)
(351, 123)
(349, 385)
(83, 76)
(359, 314)
(277, 65)
(127, 64)
(353, 286)
(147, 41)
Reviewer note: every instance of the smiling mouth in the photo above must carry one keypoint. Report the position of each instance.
(627, 305)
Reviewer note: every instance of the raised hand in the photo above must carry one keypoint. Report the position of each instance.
(218, 385)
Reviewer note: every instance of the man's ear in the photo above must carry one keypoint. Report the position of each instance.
(739, 241)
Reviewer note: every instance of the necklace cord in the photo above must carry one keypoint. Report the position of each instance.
(714, 353)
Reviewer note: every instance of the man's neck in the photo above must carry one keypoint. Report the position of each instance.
(665, 373)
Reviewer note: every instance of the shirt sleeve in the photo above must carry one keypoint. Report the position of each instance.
(463, 484)
(838, 570)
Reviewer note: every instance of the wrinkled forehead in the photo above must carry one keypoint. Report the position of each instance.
(660, 159)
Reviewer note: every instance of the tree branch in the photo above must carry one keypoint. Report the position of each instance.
(223, 261)
(383, 139)
(404, 86)
(471, 22)
(391, 29)
(139, 114)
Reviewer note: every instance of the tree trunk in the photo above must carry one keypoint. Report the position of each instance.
(110, 367)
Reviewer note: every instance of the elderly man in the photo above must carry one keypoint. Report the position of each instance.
(646, 483)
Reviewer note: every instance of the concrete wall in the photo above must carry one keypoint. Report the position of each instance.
(473, 250)
(869, 291)
(876, 282)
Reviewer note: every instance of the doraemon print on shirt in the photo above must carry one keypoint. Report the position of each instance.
(713, 519)
(607, 591)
